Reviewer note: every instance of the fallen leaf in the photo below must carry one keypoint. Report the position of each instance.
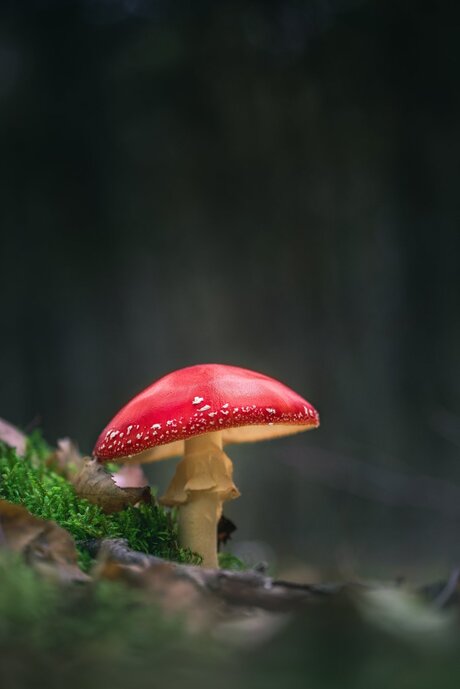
(47, 547)
(97, 486)
(12, 436)
(225, 528)
(92, 482)
(66, 460)
(130, 476)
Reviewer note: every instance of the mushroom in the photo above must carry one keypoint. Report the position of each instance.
(193, 413)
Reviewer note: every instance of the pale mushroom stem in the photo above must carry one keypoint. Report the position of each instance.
(201, 484)
(198, 518)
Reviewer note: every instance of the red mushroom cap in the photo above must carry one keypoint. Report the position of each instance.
(245, 405)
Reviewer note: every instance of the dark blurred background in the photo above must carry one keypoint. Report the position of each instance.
(267, 184)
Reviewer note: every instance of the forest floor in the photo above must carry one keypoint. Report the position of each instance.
(95, 591)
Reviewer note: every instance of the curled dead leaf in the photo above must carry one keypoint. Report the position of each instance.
(225, 528)
(66, 460)
(97, 486)
(47, 547)
(12, 436)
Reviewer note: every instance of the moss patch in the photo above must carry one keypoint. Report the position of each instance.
(30, 482)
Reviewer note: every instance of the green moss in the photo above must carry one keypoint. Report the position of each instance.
(229, 561)
(30, 482)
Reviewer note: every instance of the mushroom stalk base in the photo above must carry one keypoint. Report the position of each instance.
(198, 520)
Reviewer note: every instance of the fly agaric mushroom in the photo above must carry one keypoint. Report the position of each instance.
(194, 412)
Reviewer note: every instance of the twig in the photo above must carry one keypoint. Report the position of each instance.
(248, 589)
(449, 589)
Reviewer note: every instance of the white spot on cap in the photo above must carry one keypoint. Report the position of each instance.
(224, 406)
(270, 410)
(156, 425)
(128, 430)
(197, 400)
(205, 407)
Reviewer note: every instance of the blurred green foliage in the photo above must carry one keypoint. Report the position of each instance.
(108, 635)
(102, 635)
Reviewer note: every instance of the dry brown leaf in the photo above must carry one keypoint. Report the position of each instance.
(47, 547)
(97, 486)
(66, 460)
(91, 481)
(12, 436)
